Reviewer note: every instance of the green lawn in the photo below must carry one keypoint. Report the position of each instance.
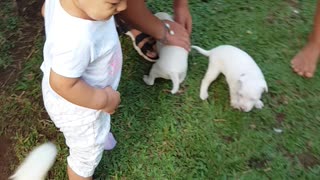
(164, 136)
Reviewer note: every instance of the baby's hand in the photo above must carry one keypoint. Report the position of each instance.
(113, 100)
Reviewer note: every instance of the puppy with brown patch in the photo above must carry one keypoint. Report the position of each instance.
(172, 64)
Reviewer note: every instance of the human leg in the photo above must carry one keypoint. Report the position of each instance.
(305, 62)
(74, 176)
(86, 146)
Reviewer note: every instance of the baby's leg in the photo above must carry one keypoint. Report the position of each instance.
(73, 176)
(86, 145)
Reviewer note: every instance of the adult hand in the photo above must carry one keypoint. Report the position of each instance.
(113, 100)
(179, 38)
(182, 14)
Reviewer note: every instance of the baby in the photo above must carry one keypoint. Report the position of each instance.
(81, 72)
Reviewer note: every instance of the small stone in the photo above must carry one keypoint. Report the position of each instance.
(277, 130)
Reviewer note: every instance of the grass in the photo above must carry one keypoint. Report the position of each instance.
(164, 136)
(8, 24)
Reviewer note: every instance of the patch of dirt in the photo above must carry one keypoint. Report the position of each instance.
(308, 160)
(280, 118)
(5, 156)
(293, 3)
(273, 17)
(228, 139)
(30, 27)
(257, 163)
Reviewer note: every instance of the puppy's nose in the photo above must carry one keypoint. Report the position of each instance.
(243, 108)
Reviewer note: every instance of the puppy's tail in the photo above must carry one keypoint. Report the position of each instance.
(37, 164)
(201, 51)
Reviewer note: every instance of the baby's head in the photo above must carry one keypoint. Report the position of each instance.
(249, 92)
(99, 10)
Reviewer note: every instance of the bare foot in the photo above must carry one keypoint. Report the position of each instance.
(305, 62)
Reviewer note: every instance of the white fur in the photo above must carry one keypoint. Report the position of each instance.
(172, 64)
(245, 79)
(37, 164)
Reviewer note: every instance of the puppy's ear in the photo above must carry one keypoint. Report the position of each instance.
(241, 80)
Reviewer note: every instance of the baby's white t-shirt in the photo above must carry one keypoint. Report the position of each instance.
(79, 48)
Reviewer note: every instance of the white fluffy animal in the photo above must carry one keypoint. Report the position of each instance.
(245, 79)
(172, 64)
(37, 164)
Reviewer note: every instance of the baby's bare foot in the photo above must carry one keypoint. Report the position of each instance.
(305, 62)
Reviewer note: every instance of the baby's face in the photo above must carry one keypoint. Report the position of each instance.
(101, 9)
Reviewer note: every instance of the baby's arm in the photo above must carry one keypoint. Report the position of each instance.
(80, 93)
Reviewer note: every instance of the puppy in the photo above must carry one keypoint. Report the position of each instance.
(172, 64)
(37, 164)
(245, 79)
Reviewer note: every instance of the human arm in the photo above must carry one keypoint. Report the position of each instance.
(182, 14)
(80, 93)
(42, 9)
(139, 17)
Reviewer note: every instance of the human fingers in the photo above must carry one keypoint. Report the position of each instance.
(188, 26)
(113, 100)
(178, 41)
(180, 36)
(182, 16)
(186, 23)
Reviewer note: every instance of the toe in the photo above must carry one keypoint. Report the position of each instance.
(308, 75)
(300, 73)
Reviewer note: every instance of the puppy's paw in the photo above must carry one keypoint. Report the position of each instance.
(147, 80)
(204, 95)
(174, 91)
(259, 105)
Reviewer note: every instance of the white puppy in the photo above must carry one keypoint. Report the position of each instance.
(172, 64)
(37, 164)
(245, 79)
